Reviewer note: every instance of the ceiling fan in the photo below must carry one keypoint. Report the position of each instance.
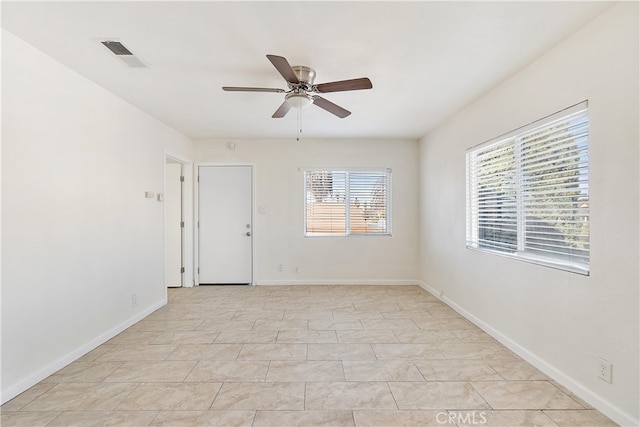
(300, 81)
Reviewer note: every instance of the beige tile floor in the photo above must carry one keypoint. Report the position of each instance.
(303, 356)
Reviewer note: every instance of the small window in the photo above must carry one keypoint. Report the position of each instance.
(528, 192)
(347, 202)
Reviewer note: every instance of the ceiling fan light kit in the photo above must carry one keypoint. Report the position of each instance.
(300, 80)
(298, 100)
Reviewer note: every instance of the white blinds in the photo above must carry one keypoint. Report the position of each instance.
(344, 202)
(528, 192)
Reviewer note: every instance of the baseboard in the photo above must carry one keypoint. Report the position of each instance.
(35, 378)
(366, 282)
(433, 291)
(602, 405)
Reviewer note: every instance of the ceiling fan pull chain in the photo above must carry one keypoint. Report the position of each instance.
(299, 124)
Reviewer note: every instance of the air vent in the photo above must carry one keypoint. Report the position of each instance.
(122, 53)
(117, 48)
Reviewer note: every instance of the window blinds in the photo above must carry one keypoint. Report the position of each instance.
(528, 192)
(346, 202)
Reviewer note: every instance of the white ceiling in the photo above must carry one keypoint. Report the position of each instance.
(427, 60)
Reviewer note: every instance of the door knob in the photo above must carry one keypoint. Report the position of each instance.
(248, 233)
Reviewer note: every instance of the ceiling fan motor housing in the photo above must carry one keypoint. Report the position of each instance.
(306, 76)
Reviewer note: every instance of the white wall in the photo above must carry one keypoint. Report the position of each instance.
(78, 236)
(560, 321)
(278, 232)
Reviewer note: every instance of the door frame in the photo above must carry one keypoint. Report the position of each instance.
(177, 201)
(187, 217)
(196, 215)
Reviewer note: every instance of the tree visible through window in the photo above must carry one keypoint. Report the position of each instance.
(347, 202)
(528, 192)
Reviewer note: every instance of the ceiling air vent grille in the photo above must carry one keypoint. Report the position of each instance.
(124, 54)
(117, 48)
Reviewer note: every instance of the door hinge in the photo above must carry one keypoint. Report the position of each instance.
(182, 179)
(181, 224)
(198, 270)
(181, 269)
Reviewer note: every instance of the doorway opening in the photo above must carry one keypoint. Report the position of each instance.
(174, 222)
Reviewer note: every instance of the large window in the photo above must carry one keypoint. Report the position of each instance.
(528, 192)
(347, 202)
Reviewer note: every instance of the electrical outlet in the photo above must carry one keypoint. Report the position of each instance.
(604, 370)
(134, 300)
(280, 268)
(297, 270)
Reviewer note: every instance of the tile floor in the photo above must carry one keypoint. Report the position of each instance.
(303, 356)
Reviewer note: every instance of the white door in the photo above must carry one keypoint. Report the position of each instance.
(173, 224)
(225, 226)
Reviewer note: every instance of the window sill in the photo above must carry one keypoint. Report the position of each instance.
(545, 262)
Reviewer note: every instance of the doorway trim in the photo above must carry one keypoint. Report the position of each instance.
(187, 217)
(196, 210)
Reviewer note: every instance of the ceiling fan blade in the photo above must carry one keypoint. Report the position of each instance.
(282, 110)
(251, 89)
(342, 85)
(283, 67)
(330, 107)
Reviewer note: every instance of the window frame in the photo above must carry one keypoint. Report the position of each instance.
(519, 214)
(347, 171)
